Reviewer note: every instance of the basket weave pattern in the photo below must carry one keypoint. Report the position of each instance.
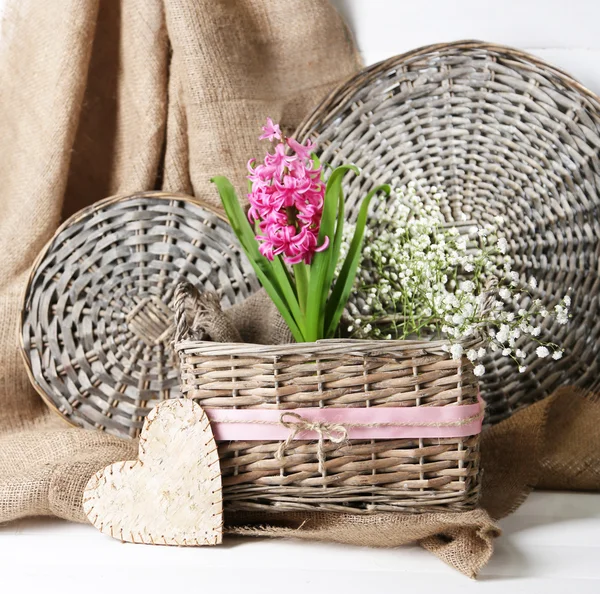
(361, 476)
(97, 328)
(502, 133)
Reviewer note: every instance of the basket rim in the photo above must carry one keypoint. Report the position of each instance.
(342, 92)
(326, 346)
(75, 217)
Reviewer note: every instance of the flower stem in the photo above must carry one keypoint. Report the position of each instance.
(302, 280)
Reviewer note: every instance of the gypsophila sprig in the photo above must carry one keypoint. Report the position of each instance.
(421, 277)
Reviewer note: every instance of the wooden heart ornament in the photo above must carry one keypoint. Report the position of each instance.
(172, 495)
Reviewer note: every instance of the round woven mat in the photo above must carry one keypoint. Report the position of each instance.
(502, 133)
(97, 325)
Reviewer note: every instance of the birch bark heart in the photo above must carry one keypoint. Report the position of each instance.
(172, 495)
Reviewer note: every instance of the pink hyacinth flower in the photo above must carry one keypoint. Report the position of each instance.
(286, 200)
(270, 131)
(302, 151)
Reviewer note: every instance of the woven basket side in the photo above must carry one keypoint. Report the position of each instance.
(409, 475)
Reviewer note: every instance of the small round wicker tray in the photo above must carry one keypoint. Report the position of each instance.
(501, 132)
(97, 322)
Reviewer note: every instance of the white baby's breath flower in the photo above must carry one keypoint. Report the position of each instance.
(456, 350)
(502, 334)
(430, 279)
(533, 282)
(479, 370)
(504, 293)
(458, 319)
(522, 369)
(468, 286)
(542, 352)
(557, 355)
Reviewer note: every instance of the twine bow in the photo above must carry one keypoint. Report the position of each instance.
(331, 431)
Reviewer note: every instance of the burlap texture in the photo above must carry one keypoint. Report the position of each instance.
(105, 98)
(102, 98)
(256, 320)
(463, 540)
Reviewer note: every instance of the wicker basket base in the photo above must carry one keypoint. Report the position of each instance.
(418, 475)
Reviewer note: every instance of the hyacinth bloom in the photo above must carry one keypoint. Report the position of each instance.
(286, 200)
(296, 219)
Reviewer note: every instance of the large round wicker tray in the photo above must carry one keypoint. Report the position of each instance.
(501, 132)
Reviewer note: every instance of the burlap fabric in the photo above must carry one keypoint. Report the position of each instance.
(100, 98)
(256, 320)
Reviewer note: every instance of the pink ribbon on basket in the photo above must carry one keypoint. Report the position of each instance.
(340, 424)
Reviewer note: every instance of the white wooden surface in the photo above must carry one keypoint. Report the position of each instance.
(562, 32)
(550, 546)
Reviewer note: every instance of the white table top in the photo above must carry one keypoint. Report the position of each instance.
(552, 543)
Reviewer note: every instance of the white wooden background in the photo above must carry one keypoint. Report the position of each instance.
(565, 33)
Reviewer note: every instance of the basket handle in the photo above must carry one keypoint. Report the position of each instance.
(183, 292)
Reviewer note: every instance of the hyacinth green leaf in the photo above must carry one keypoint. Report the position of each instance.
(275, 281)
(302, 276)
(286, 284)
(330, 205)
(319, 268)
(288, 290)
(345, 281)
(337, 240)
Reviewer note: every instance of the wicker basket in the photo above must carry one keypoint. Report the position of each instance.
(97, 321)
(360, 476)
(502, 133)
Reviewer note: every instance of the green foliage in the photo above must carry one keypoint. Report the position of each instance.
(310, 300)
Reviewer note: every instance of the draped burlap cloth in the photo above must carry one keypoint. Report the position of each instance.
(100, 98)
